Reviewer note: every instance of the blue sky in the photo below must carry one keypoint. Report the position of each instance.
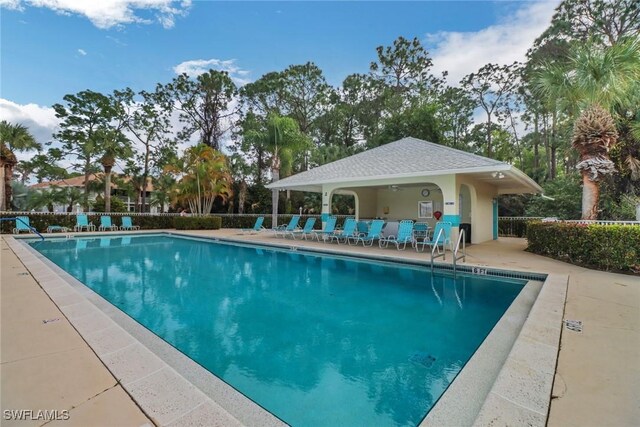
(54, 47)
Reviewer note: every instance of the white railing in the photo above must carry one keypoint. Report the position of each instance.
(436, 247)
(463, 256)
(578, 221)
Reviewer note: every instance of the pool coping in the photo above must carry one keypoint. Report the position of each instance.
(519, 370)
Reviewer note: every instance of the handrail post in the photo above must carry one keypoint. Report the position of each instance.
(436, 247)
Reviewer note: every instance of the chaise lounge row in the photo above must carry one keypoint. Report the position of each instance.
(415, 234)
(82, 224)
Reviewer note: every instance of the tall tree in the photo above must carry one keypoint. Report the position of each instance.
(282, 138)
(13, 137)
(306, 94)
(595, 81)
(147, 117)
(206, 105)
(85, 121)
(266, 95)
(603, 21)
(405, 68)
(113, 145)
(487, 87)
(455, 112)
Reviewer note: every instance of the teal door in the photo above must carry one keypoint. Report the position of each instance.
(495, 219)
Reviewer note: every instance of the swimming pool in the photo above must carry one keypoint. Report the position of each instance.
(316, 340)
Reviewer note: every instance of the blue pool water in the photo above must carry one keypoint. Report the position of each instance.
(316, 340)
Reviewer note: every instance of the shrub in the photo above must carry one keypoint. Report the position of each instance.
(197, 222)
(117, 205)
(605, 247)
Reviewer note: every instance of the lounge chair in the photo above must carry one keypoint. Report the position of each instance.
(420, 232)
(105, 224)
(374, 233)
(347, 232)
(329, 228)
(22, 224)
(257, 227)
(282, 230)
(405, 235)
(438, 238)
(127, 224)
(82, 223)
(306, 231)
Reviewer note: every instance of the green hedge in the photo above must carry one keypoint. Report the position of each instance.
(41, 222)
(197, 222)
(605, 247)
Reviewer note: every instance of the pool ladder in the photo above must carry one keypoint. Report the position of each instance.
(457, 253)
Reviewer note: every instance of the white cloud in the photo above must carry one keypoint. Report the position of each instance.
(106, 14)
(11, 4)
(82, 52)
(40, 120)
(195, 67)
(461, 53)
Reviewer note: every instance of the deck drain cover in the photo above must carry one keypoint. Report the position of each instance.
(23, 274)
(573, 325)
(423, 359)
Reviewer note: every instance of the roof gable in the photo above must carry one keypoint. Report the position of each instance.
(402, 157)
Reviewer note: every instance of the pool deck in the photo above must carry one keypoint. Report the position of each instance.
(597, 380)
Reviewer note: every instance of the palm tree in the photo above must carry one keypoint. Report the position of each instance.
(283, 139)
(46, 197)
(161, 190)
(12, 138)
(113, 145)
(203, 175)
(594, 81)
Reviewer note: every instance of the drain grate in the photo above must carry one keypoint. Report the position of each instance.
(55, 319)
(423, 359)
(23, 274)
(573, 325)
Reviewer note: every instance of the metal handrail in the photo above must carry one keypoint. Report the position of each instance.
(456, 257)
(30, 227)
(436, 247)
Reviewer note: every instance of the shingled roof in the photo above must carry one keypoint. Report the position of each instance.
(403, 158)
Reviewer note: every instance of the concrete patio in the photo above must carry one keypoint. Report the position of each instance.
(597, 381)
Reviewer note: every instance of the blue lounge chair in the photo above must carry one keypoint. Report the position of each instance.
(257, 227)
(347, 232)
(22, 224)
(82, 223)
(329, 228)
(420, 232)
(405, 235)
(438, 239)
(374, 233)
(282, 230)
(307, 230)
(105, 224)
(127, 224)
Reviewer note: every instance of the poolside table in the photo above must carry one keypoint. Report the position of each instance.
(59, 228)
